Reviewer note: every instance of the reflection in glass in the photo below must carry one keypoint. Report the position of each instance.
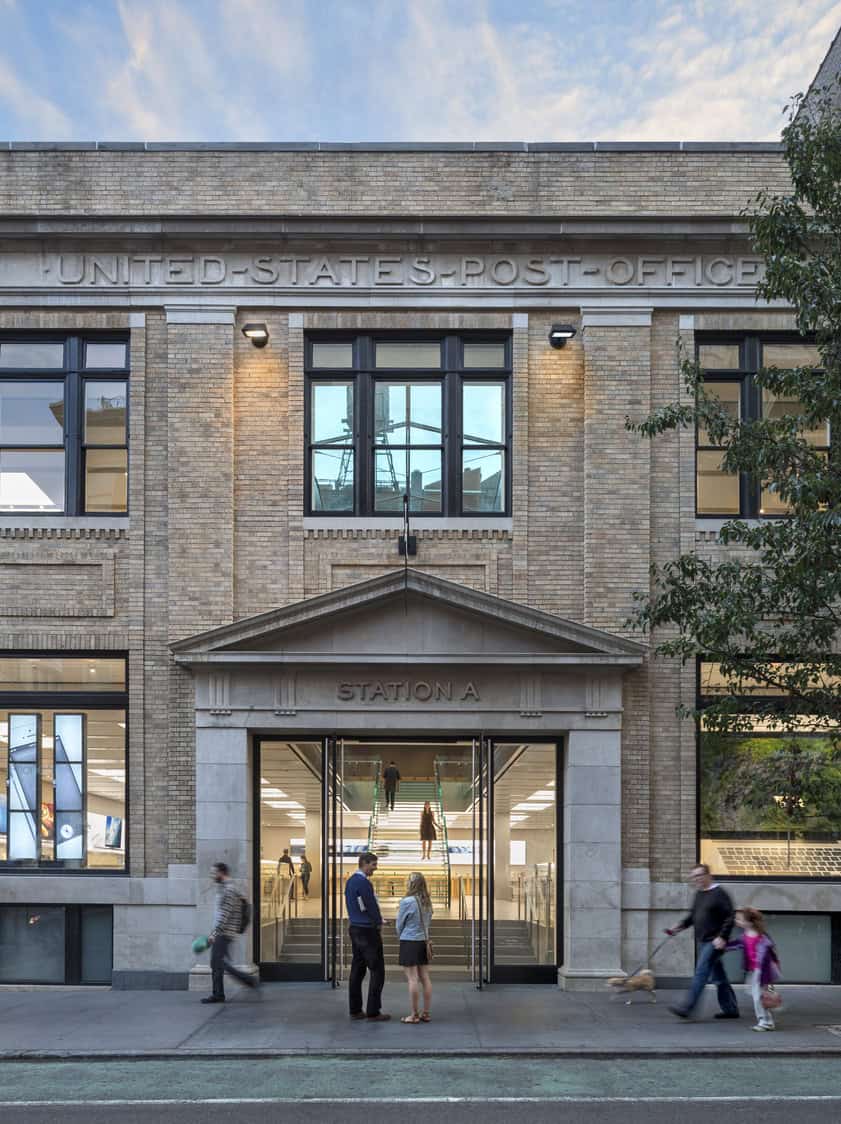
(483, 480)
(774, 407)
(105, 413)
(23, 786)
(717, 491)
(421, 354)
(407, 413)
(770, 804)
(729, 395)
(106, 480)
(488, 355)
(332, 412)
(718, 356)
(787, 355)
(332, 355)
(484, 413)
(31, 413)
(332, 480)
(31, 356)
(32, 939)
(31, 480)
(413, 471)
(104, 355)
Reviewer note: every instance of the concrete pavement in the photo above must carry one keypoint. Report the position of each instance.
(306, 1018)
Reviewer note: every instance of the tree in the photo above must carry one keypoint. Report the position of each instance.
(769, 609)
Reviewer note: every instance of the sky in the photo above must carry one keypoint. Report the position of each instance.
(411, 70)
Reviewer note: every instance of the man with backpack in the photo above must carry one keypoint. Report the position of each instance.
(230, 918)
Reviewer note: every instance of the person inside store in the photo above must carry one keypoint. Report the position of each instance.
(428, 831)
(391, 783)
(286, 868)
(305, 871)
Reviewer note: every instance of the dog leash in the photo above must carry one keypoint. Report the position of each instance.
(651, 956)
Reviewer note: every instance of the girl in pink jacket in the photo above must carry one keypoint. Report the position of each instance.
(761, 963)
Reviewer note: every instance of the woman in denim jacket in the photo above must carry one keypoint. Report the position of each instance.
(761, 963)
(414, 917)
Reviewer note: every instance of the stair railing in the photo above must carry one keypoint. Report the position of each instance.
(284, 902)
(440, 796)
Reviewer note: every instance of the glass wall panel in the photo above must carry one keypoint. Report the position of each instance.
(421, 354)
(770, 805)
(407, 413)
(97, 924)
(332, 355)
(718, 356)
(105, 355)
(413, 471)
(32, 944)
(31, 413)
(487, 355)
(776, 407)
(331, 413)
(105, 412)
(291, 863)
(31, 480)
(483, 480)
(729, 395)
(332, 480)
(787, 355)
(31, 356)
(483, 413)
(106, 480)
(718, 491)
(525, 854)
(61, 673)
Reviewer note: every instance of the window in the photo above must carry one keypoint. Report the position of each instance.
(769, 801)
(62, 761)
(730, 367)
(56, 944)
(427, 417)
(63, 426)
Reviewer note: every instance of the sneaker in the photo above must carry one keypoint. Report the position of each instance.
(762, 1026)
(727, 1015)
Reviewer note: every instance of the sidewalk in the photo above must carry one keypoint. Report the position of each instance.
(307, 1018)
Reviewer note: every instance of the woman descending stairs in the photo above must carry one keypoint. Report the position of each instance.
(395, 838)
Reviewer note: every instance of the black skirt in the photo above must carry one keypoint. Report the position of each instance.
(412, 953)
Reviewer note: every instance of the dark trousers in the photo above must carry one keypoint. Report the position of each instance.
(709, 969)
(219, 964)
(390, 794)
(305, 882)
(367, 944)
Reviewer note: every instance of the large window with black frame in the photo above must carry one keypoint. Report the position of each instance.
(63, 761)
(423, 416)
(729, 365)
(63, 425)
(769, 800)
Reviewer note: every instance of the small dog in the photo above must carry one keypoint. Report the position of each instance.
(626, 985)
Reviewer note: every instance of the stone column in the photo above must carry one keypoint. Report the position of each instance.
(224, 830)
(592, 860)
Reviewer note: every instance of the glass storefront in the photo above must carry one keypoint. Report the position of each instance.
(487, 847)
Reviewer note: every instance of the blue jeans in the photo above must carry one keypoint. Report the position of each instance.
(709, 969)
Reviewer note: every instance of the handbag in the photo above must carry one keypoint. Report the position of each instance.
(426, 935)
(770, 998)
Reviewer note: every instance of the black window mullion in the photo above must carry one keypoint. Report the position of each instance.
(73, 422)
(452, 444)
(365, 437)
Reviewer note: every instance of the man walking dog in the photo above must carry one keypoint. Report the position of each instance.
(711, 916)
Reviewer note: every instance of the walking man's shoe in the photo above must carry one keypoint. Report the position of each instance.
(726, 1015)
(212, 999)
(679, 1011)
(380, 1018)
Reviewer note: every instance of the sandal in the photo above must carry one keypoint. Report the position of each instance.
(425, 1017)
(411, 1019)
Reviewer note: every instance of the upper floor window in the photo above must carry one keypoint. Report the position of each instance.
(425, 416)
(62, 761)
(63, 425)
(729, 367)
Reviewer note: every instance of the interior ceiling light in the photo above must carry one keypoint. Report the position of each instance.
(530, 806)
(543, 794)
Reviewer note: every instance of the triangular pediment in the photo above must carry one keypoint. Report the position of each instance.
(408, 614)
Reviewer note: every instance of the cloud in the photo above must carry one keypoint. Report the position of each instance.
(35, 112)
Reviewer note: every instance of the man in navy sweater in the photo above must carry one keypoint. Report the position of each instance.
(366, 940)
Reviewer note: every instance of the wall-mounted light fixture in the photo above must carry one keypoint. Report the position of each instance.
(560, 333)
(257, 333)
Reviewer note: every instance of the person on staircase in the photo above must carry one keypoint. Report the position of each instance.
(414, 917)
(391, 781)
(428, 831)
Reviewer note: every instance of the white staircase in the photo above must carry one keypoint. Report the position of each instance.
(395, 840)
